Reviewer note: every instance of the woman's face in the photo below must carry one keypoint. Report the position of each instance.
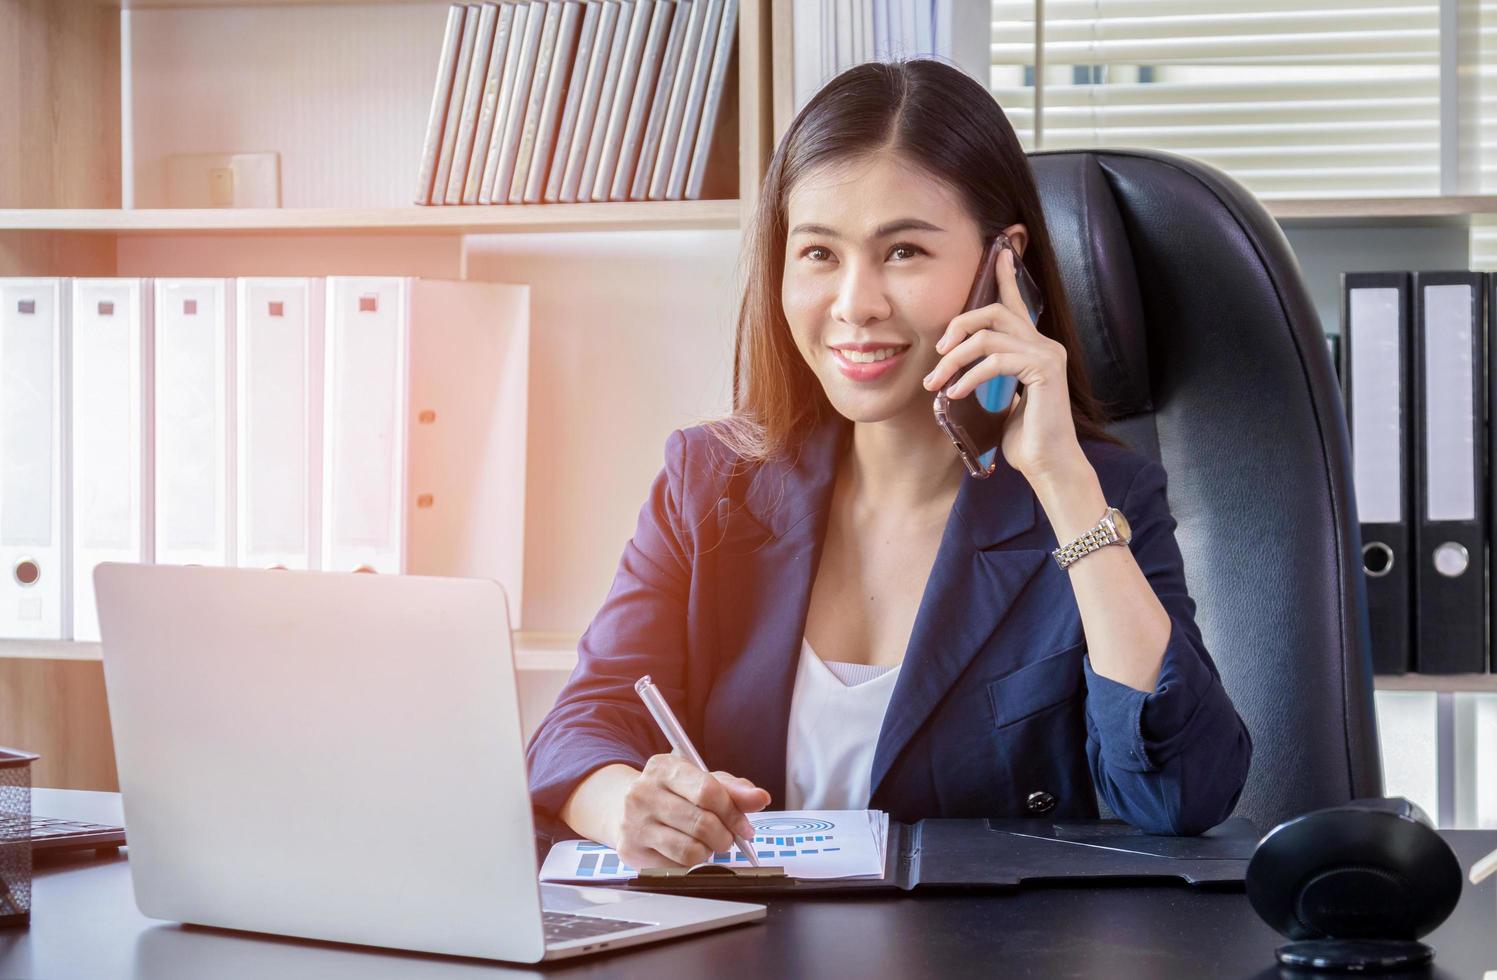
(879, 259)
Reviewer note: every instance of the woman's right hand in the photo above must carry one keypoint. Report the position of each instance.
(676, 814)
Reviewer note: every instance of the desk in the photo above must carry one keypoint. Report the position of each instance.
(85, 925)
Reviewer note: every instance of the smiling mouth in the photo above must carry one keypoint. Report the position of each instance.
(868, 365)
(871, 356)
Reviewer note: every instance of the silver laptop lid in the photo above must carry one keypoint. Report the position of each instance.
(320, 754)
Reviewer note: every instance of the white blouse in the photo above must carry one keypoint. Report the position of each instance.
(836, 712)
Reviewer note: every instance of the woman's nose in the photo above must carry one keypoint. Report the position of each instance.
(860, 298)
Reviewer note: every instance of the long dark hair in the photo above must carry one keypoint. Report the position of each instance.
(940, 120)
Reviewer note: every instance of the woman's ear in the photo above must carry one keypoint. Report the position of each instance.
(1019, 235)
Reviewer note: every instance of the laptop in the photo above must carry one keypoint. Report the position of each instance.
(339, 757)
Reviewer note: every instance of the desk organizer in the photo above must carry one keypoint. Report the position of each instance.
(15, 837)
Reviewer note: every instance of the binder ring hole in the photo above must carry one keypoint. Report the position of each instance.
(1377, 559)
(1451, 559)
(27, 306)
(106, 308)
(368, 304)
(27, 571)
(189, 307)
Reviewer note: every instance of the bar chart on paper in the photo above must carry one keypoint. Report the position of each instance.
(807, 844)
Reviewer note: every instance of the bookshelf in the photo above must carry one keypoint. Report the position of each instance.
(70, 146)
(466, 220)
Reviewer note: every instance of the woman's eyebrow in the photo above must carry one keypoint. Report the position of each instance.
(883, 231)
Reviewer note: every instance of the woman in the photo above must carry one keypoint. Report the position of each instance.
(838, 614)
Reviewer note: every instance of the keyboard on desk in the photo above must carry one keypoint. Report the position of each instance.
(50, 835)
(564, 926)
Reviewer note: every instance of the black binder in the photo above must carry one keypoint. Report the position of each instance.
(1450, 527)
(1006, 854)
(1376, 354)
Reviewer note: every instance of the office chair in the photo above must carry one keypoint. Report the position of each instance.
(1200, 337)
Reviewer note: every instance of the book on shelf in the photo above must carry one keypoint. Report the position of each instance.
(552, 101)
(467, 124)
(639, 105)
(488, 105)
(540, 84)
(675, 75)
(588, 41)
(455, 102)
(437, 118)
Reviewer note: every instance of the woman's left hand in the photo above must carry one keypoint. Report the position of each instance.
(1039, 435)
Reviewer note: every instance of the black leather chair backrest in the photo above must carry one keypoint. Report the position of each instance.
(1198, 331)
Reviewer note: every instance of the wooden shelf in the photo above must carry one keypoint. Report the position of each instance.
(479, 219)
(1438, 683)
(1357, 211)
(534, 650)
(549, 650)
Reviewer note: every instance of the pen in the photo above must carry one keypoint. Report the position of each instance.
(676, 735)
(1484, 867)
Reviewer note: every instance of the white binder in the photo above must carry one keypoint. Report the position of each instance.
(191, 331)
(465, 497)
(364, 408)
(109, 384)
(424, 432)
(33, 332)
(278, 422)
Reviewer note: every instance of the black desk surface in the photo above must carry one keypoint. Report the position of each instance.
(85, 924)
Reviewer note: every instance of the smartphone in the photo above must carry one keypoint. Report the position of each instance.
(975, 423)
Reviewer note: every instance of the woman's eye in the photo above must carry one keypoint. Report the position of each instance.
(905, 247)
(809, 253)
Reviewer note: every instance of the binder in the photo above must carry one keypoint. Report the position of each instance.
(277, 422)
(1377, 348)
(1004, 854)
(193, 325)
(1450, 577)
(465, 497)
(1491, 445)
(364, 410)
(109, 386)
(33, 402)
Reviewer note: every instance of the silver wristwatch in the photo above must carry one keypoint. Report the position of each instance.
(1111, 529)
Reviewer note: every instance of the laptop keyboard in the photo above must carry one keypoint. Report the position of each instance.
(564, 926)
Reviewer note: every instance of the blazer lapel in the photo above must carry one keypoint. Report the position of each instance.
(972, 586)
(767, 565)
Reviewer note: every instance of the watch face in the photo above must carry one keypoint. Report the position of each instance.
(1124, 530)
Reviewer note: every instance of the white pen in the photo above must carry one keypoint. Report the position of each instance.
(1484, 867)
(676, 735)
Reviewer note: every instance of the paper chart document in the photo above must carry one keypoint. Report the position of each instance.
(820, 844)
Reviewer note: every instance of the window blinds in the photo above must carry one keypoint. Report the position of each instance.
(1294, 98)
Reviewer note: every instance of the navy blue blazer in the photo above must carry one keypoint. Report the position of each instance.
(996, 710)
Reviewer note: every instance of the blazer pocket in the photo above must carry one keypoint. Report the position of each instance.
(1053, 679)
